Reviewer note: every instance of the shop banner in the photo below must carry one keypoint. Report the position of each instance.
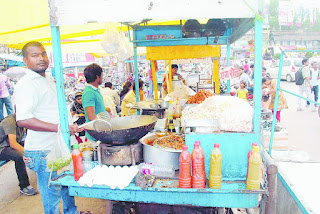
(228, 73)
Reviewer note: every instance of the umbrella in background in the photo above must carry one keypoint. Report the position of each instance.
(15, 73)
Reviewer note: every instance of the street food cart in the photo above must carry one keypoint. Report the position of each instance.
(240, 17)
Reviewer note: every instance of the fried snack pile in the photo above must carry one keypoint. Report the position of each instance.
(172, 141)
(200, 97)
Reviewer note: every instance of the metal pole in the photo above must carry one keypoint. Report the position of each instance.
(56, 48)
(257, 77)
(136, 76)
(228, 65)
(275, 107)
(272, 171)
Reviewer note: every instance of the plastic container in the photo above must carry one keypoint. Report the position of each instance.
(185, 168)
(156, 170)
(254, 170)
(249, 155)
(87, 155)
(201, 149)
(198, 179)
(215, 177)
(77, 162)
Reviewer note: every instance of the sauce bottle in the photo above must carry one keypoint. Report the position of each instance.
(249, 155)
(185, 168)
(215, 177)
(254, 170)
(170, 114)
(198, 173)
(77, 162)
(202, 151)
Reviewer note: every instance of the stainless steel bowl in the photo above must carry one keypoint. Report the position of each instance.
(164, 104)
(158, 156)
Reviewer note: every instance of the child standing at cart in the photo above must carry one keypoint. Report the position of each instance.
(242, 92)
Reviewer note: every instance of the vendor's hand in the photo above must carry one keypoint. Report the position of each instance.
(74, 129)
(108, 109)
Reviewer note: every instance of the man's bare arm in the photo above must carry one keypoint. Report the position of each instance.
(39, 125)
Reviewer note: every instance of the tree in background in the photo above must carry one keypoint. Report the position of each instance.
(274, 13)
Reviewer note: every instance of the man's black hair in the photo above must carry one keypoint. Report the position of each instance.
(140, 85)
(304, 60)
(264, 79)
(30, 44)
(108, 84)
(264, 68)
(174, 66)
(92, 72)
(252, 66)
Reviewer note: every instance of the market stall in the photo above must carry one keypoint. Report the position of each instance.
(234, 146)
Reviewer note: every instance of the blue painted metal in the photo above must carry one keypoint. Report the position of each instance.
(58, 68)
(143, 31)
(234, 148)
(136, 77)
(311, 101)
(228, 64)
(257, 79)
(231, 194)
(276, 104)
(294, 196)
(183, 41)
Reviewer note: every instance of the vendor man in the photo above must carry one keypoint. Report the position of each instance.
(92, 100)
(174, 71)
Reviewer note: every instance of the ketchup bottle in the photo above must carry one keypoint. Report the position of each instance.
(185, 168)
(198, 173)
(77, 162)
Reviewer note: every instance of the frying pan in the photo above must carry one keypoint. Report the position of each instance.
(125, 130)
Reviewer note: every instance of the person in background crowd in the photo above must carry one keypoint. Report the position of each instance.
(111, 93)
(174, 72)
(245, 78)
(246, 66)
(126, 88)
(130, 98)
(251, 72)
(150, 82)
(77, 109)
(306, 87)
(11, 148)
(5, 98)
(264, 72)
(272, 85)
(242, 92)
(92, 100)
(37, 110)
(315, 76)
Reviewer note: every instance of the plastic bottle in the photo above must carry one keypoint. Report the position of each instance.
(215, 177)
(202, 151)
(249, 155)
(170, 114)
(156, 170)
(198, 173)
(178, 110)
(77, 162)
(254, 170)
(185, 168)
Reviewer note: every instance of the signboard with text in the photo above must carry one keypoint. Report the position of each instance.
(229, 73)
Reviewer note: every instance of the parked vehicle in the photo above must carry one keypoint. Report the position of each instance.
(289, 67)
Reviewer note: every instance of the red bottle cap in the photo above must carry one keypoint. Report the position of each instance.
(216, 145)
(184, 147)
(254, 144)
(196, 144)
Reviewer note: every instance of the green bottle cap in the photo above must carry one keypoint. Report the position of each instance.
(76, 146)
